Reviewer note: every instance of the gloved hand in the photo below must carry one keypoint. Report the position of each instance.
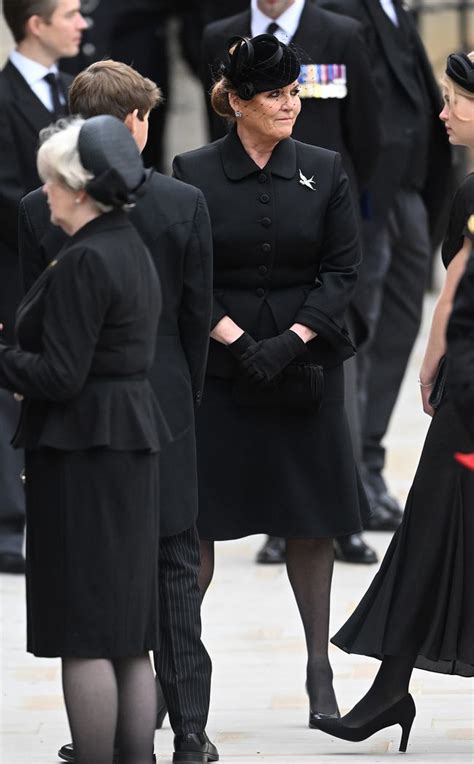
(241, 346)
(267, 358)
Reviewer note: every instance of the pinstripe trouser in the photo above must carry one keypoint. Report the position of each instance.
(182, 664)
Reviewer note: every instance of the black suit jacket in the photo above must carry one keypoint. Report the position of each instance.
(22, 116)
(283, 251)
(173, 221)
(397, 114)
(86, 340)
(347, 125)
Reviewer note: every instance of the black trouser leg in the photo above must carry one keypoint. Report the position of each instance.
(12, 498)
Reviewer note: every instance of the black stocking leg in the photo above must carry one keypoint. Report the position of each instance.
(390, 685)
(310, 563)
(137, 709)
(206, 571)
(91, 697)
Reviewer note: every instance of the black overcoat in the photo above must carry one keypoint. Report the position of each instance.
(397, 112)
(22, 116)
(285, 250)
(347, 125)
(172, 219)
(278, 242)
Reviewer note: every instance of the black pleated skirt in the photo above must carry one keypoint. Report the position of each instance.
(421, 602)
(92, 553)
(285, 472)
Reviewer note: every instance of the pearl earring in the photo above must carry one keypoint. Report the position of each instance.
(238, 114)
(77, 200)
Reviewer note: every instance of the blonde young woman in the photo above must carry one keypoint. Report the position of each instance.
(419, 610)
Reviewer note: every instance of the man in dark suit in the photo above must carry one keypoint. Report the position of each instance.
(33, 93)
(173, 221)
(407, 196)
(339, 112)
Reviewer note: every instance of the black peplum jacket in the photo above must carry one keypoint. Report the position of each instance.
(85, 343)
(286, 244)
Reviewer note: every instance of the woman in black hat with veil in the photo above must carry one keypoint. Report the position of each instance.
(419, 610)
(86, 339)
(274, 453)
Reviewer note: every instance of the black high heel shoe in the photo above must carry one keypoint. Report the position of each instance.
(402, 712)
(315, 716)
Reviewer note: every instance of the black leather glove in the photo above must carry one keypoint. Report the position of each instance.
(241, 346)
(269, 357)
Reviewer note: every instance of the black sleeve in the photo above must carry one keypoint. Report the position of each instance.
(32, 258)
(460, 337)
(324, 308)
(11, 190)
(361, 121)
(75, 306)
(218, 311)
(196, 304)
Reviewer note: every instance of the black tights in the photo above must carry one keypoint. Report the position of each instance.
(110, 702)
(390, 685)
(309, 563)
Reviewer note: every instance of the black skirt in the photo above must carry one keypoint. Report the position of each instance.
(92, 553)
(285, 472)
(421, 602)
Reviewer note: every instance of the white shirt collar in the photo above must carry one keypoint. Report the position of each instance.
(31, 71)
(389, 9)
(288, 21)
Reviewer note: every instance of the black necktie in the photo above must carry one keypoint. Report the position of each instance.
(272, 28)
(59, 109)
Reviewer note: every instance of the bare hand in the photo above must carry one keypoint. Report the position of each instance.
(18, 397)
(425, 395)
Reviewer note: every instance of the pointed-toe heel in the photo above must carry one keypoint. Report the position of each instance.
(315, 717)
(402, 712)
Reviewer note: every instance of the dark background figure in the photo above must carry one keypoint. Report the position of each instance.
(408, 198)
(172, 220)
(346, 122)
(28, 103)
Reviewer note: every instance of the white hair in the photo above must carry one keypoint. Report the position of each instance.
(58, 157)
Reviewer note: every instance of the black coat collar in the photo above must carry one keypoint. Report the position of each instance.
(238, 165)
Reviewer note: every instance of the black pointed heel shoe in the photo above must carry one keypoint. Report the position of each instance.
(315, 717)
(403, 713)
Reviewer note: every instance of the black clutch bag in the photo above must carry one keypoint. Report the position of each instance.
(299, 386)
(439, 384)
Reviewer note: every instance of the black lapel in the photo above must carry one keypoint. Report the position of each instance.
(311, 36)
(390, 49)
(25, 101)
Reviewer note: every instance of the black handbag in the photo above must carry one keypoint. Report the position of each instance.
(439, 384)
(299, 386)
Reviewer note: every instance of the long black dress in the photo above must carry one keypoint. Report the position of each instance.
(421, 602)
(285, 251)
(90, 426)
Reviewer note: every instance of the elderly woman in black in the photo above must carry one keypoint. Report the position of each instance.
(274, 453)
(86, 339)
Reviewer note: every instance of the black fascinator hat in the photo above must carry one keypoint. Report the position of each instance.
(108, 150)
(460, 69)
(259, 64)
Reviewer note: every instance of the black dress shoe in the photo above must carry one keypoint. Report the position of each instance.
(194, 748)
(391, 504)
(272, 552)
(354, 549)
(66, 753)
(381, 520)
(315, 718)
(12, 562)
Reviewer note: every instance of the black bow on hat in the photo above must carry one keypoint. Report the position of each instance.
(260, 64)
(460, 69)
(108, 150)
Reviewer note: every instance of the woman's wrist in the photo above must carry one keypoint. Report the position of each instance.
(304, 332)
(226, 331)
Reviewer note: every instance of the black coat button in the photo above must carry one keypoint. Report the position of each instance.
(266, 247)
(266, 222)
(262, 269)
(264, 198)
(260, 292)
(262, 178)
(197, 395)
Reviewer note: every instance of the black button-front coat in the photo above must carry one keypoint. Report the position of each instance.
(285, 251)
